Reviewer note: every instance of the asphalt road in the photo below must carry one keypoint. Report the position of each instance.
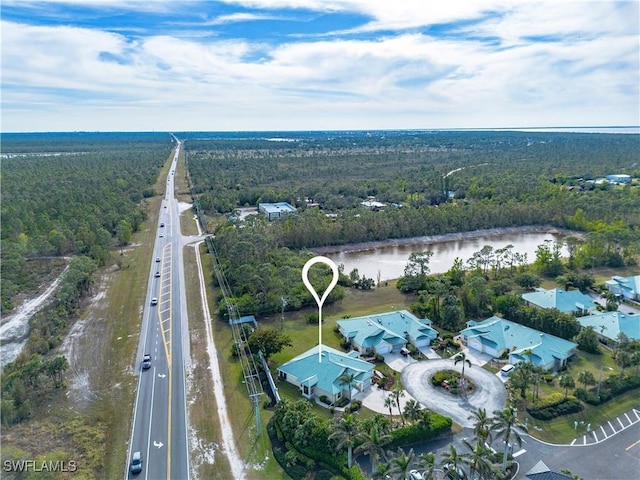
(160, 412)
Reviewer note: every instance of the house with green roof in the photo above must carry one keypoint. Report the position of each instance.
(609, 325)
(496, 336)
(573, 302)
(386, 332)
(627, 287)
(316, 376)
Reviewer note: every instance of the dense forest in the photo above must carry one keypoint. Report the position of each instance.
(430, 183)
(69, 197)
(71, 194)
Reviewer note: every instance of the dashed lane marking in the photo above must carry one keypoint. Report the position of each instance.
(518, 453)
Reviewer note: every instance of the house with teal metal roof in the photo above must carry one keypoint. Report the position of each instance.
(496, 336)
(386, 332)
(627, 287)
(573, 302)
(317, 376)
(610, 324)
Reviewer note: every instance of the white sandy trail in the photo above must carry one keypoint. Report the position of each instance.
(228, 440)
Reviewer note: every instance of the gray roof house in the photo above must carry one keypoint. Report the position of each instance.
(541, 472)
(496, 335)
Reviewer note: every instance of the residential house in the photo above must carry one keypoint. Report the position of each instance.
(321, 376)
(386, 332)
(541, 472)
(496, 336)
(275, 210)
(608, 325)
(627, 287)
(573, 302)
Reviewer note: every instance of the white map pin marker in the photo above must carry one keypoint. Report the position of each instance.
(320, 301)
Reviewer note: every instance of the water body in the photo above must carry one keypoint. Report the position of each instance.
(391, 259)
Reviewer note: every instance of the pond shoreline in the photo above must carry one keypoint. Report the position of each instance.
(447, 237)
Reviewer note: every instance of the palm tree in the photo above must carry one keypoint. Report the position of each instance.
(400, 463)
(478, 460)
(586, 378)
(567, 382)
(505, 424)
(462, 357)
(427, 463)
(451, 460)
(388, 402)
(482, 425)
(397, 394)
(345, 432)
(413, 410)
(347, 379)
(373, 443)
(537, 375)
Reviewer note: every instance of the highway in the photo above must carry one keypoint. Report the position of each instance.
(159, 430)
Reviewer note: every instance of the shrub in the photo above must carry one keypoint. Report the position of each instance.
(324, 399)
(418, 432)
(379, 358)
(554, 405)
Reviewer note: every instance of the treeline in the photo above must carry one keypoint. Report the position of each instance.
(261, 276)
(72, 194)
(432, 183)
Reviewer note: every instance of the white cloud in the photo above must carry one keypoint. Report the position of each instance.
(585, 72)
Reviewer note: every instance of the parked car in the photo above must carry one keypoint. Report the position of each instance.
(136, 463)
(506, 370)
(154, 301)
(146, 361)
(415, 475)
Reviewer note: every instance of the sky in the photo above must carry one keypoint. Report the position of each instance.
(260, 65)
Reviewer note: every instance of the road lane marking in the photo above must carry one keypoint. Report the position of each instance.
(620, 422)
(153, 388)
(595, 436)
(625, 414)
(603, 432)
(518, 453)
(632, 445)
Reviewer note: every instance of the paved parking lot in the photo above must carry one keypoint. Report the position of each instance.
(599, 433)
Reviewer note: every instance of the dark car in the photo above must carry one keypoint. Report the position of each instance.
(146, 361)
(136, 463)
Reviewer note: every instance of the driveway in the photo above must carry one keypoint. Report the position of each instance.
(490, 392)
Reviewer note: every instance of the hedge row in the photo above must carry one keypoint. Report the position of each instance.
(417, 432)
(614, 386)
(552, 408)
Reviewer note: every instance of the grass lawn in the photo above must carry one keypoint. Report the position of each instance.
(561, 430)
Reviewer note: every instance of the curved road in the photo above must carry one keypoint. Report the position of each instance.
(490, 393)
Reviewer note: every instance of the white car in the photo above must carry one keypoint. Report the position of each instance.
(415, 475)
